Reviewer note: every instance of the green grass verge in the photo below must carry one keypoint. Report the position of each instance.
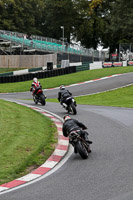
(122, 97)
(27, 139)
(4, 70)
(65, 79)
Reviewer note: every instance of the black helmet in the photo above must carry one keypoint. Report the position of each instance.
(62, 87)
(66, 117)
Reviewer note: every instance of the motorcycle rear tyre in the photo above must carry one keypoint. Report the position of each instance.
(73, 108)
(82, 150)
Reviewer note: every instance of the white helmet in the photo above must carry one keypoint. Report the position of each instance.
(35, 80)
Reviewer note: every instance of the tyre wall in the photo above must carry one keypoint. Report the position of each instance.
(39, 75)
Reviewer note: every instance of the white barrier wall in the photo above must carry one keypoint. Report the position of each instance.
(76, 64)
(124, 63)
(96, 65)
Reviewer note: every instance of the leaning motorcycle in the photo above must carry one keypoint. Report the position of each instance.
(70, 105)
(79, 144)
(39, 97)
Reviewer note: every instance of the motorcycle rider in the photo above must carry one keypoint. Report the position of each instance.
(63, 94)
(35, 84)
(70, 125)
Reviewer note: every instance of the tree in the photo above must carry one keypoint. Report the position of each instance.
(21, 15)
(119, 24)
(5, 20)
(90, 23)
(59, 13)
(105, 22)
(108, 22)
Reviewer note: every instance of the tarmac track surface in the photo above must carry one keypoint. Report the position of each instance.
(93, 86)
(107, 174)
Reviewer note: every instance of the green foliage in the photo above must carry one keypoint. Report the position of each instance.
(108, 22)
(58, 13)
(119, 24)
(92, 22)
(21, 16)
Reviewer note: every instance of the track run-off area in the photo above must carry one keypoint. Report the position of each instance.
(107, 174)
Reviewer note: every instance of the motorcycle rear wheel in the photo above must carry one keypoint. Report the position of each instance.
(82, 150)
(73, 108)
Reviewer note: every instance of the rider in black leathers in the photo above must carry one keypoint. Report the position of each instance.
(63, 94)
(70, 125)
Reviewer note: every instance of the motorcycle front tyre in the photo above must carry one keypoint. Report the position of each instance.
(35, 100)
(82, 150)
(43, 101)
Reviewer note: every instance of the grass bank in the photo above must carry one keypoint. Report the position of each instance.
(27, 139)
(65, 79)
(122, 97)
(4, 70)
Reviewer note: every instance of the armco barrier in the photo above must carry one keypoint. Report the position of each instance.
(85, 66)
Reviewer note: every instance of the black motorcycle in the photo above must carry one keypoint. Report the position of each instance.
(70, 105)
(39, 97)
(79, 144)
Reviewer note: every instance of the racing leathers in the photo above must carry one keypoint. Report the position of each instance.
(74, 125)
(62, 95)
(34, 87)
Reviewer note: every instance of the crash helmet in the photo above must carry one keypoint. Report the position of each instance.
(35, 80)
(66, 117)
(62, 87)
